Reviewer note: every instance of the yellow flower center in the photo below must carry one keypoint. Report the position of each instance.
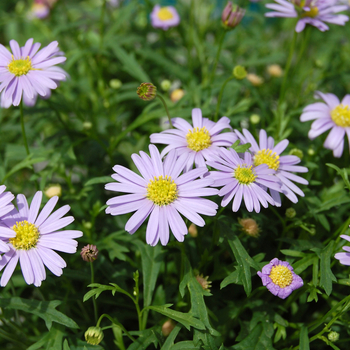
(20, 67)
(265, 156)
(162, 190)
(165, 14)
(198, 139)
(281, 276)
(341, 115)
(245, 176)
(27, 235)
(312, 13)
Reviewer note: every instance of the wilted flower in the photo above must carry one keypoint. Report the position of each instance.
(147, 91)
(198, 141)
(255, 79)
(313, 12)
(161, 193)
(250, 227)
(239, 72)
(167, 327)
(334, 115)
(32, 239)
(192, 230)
(29, 72)
(177, 95)
(53, 190)
(164, 17)
(203, 281)
(89, 253)
(275, 70)
(94, 335)
(231, 16)
(279, 278)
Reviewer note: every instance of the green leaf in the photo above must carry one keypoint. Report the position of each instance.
(43, 309)
(343, 173)
(169, 343)
(146, 338)
(99, 288)
(304, 339)
(304, 263)
(98, 180)
(66, 345)
(240, 148)
(327, 276)
(152, 258)
(294, 253)
(185, 345)
(115, 248)
(185, 319)
(233, 277)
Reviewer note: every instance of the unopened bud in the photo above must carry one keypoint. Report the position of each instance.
(255, 119)
(115, 84)
(250, 227)
(94, 335)
(255, 79)
(231, 16)
(333, 336)
(239, 72)
(167, 327)
(87, 125)
(147, 91)
(165, 85)
(192, 230)
(311, 152)
(53, 190)
(297, 152)
(290, 213)
(203, 281)
(89, 253)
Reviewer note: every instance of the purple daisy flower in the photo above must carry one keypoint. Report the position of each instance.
(333, 115)
(164, 17)
(313, 12)
(32, 239)
(269, 153)
(161, 193)
(344, 258)
(279, 278)
(242, 180)
(199, 141)
(28, 71)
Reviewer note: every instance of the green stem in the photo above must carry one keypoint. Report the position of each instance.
(166, 109)
(93, 299)
(221, 40)
(13, 290)
(23, 128)
(220, 97)
(102, 24)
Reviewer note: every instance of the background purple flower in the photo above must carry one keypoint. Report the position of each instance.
(332, 114)
(344, 258)
(164, 17)
(279, 278)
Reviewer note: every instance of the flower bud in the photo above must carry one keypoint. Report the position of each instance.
(250, 227)
(255, 119)
(297, 152)
(87, 125)
(231, 16)
(147, 91)
(274, 70)
(167, 327)
(290, 213)
(177, 95)
(255, 79)
(239, 72)
(89, 253)
(333, 336)
(203, 281)
(115, 84)
(165, 85)
(94, 335)
(53, 190)
(192, 230)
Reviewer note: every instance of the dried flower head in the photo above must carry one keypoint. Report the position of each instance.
(167, 327)
(147, 91)
(274, 70)
(255, 79)
(192, 230)
(89, 253)
(94, 335)
(177, 95)
(53, 190)
(250, 227)
(203, 281)
(231, 16)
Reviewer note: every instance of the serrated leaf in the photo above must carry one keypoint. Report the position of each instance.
(304, 343)
(233, 277)
(146, 338)
(99, 288)
(98, 180)
(327, 276)
(185, 319)
(185, 345)
(44, 309)
(240, 148)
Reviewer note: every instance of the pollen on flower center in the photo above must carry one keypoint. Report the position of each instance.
(27, 235)
(281, 276)
(164, 14)
(244, 175)
(265, 156)
(198, 139)
(341, 115)
(162, 190)
(313, 12)
(20, 67)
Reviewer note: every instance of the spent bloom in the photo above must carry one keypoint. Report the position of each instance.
(279, 278)
(241, 180)
(89, 253)
(164, 17)
(161, 193)
(29, 72)
(199, 141)
(32, 239)
(266, 152)
(256, 80)
(231, 16)
(344, 258)
(203, 281)
(332, 114)
(313, 12)
(274, 70)
(250, 227)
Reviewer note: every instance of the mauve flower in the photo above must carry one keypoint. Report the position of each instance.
(231, 16)
(32, 239)
(344, 258)
(313, 12)
(28, 72)
(279, 278)
(164, 17)
(161, 193)
(266, 152)
(332, 114)
(200, 140)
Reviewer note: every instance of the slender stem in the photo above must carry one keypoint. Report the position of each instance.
(93, 299)
(221, 40)
(166, 109)
(13, 290)
(220, 97)
(23, 129)
(102, 24)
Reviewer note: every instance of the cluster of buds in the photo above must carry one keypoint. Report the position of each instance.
(231, 16)
(147, 91)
